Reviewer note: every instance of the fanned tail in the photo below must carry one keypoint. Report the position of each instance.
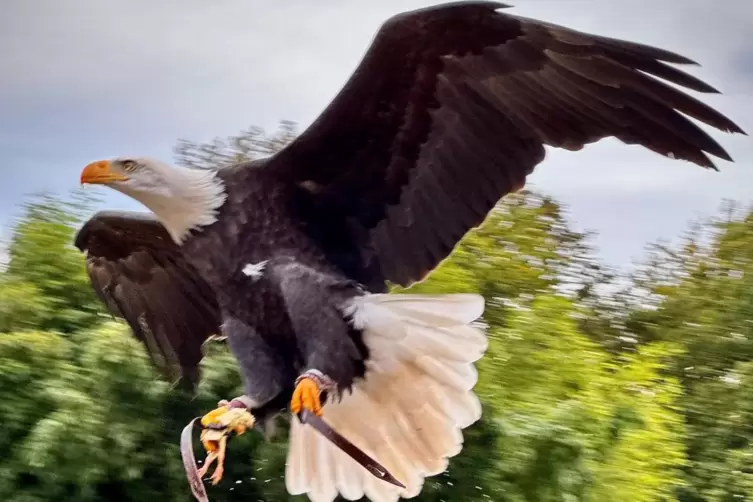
(409, 411)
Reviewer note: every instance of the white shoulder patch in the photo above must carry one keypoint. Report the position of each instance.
(255, 270)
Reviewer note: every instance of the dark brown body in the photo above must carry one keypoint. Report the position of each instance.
(290, 319)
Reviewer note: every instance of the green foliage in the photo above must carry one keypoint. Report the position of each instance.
(45, 285)
(702, 298)
(594, 388)
(573, 417)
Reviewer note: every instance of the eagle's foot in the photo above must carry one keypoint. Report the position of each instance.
(308, 389)
(229, 417)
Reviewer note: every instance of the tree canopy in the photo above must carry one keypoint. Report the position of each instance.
(590, 392)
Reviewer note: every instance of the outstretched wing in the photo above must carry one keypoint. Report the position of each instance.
(451, 109)
(140, 274)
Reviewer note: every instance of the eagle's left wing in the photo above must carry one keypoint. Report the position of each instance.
(141, 275)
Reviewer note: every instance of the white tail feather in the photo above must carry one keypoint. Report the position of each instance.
(409, 411)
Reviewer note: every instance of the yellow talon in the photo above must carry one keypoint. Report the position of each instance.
(306, 395)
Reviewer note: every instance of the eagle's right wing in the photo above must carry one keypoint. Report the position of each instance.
(141, 275)
(451, 108)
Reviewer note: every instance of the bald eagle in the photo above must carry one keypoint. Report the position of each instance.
(290, 257)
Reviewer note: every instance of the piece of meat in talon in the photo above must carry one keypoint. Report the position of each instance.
(217, 426)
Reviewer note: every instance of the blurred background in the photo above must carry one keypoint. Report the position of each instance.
(619, 286)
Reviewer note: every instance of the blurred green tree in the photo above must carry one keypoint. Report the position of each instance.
(45, 285)
(699, 294)
(587, 395)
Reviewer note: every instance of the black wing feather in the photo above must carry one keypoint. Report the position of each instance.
(141, 276)
(451, 108)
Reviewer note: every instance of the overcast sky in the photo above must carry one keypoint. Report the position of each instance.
(88, 79)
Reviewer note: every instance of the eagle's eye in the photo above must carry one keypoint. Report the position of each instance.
(129, 165)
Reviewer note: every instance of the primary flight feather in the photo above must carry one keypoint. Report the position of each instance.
(289, 257)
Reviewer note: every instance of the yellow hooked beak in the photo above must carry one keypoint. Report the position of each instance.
(100, 172)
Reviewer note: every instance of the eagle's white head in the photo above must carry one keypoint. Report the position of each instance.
(183, 199)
